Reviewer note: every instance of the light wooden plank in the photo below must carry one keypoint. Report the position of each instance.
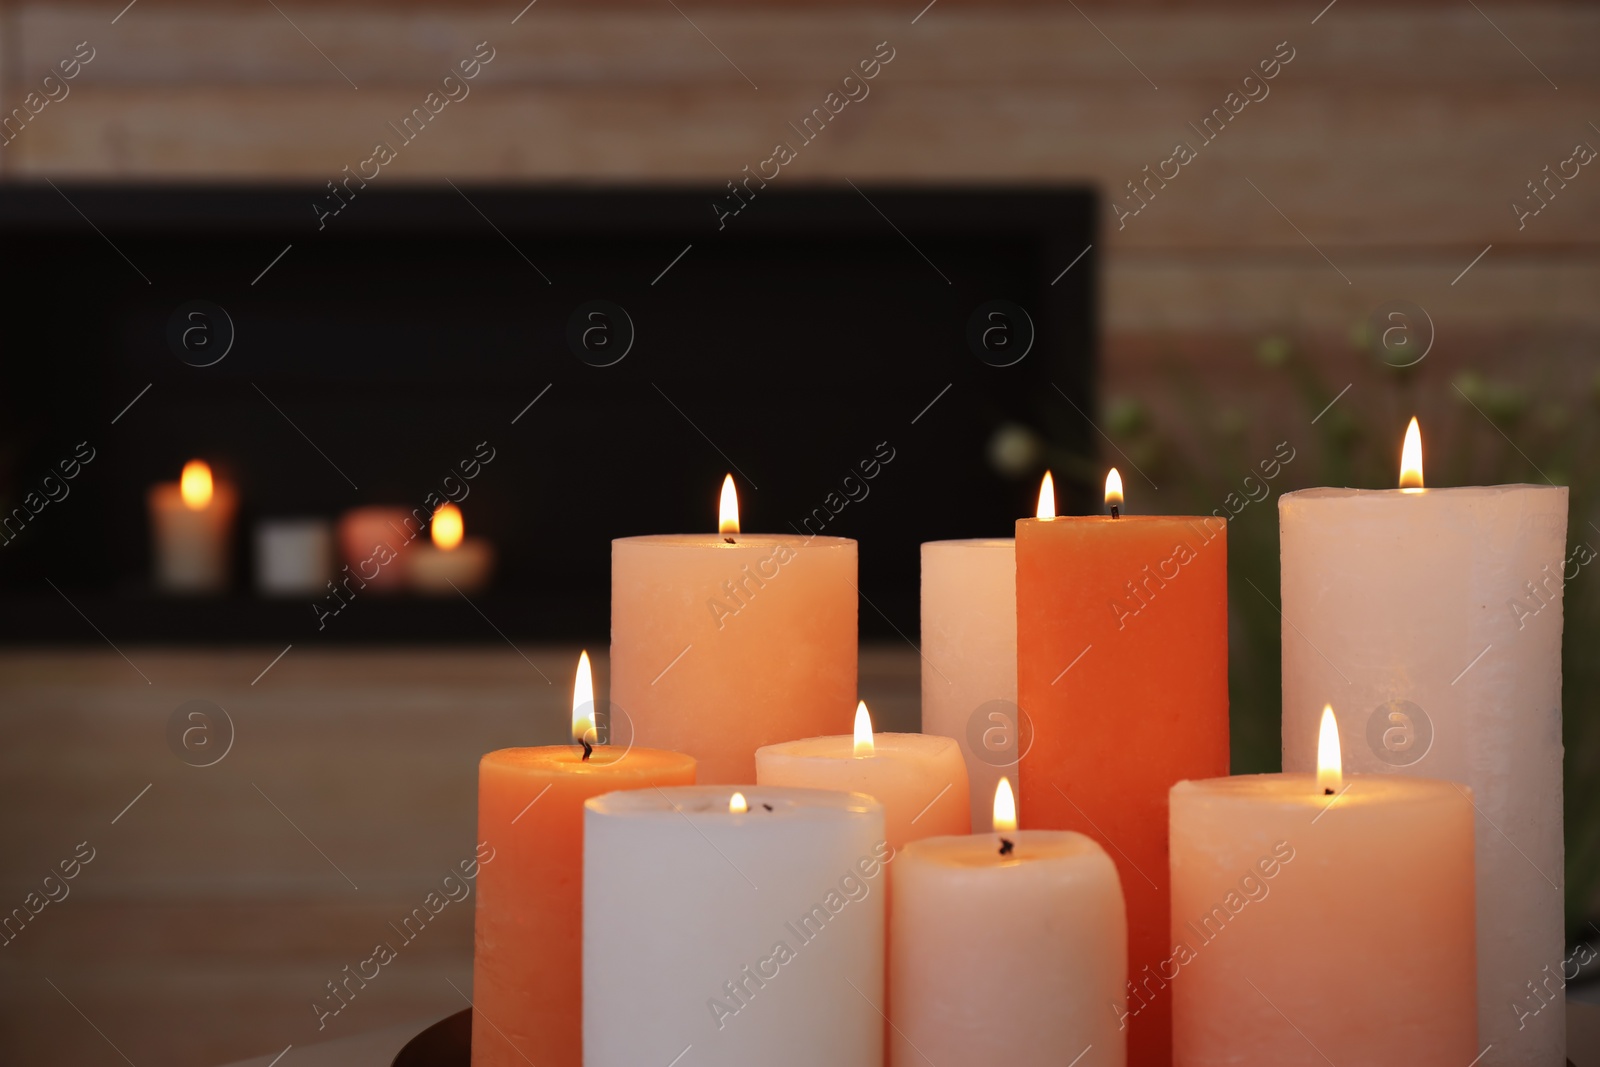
(1351, 169)
(557, 43)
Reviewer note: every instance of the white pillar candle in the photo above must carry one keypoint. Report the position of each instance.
(1434, 615)
(1319, 919)
(722, 643)
(919, 779)
(1013, 956)
(749, 936)
(969, 658)
(191, 526)
(294, 557)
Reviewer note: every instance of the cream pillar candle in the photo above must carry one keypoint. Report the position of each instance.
(191, 526)
(919, 779)
(722, 643)
(969, 657)
(746, 927)
(1007, 948)
(1434, 615)
(1319, 920)
(453, 563)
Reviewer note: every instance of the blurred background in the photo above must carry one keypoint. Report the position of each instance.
(1400, 221)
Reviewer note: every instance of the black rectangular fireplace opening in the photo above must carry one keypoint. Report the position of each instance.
(614, 351)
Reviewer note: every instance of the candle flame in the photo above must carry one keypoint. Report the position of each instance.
(1411, 458)
(1005, 808)
(737, 805)
(728, 508)
(1113, 489)
(863, 730)
(1330, 762)
(448, 529)
(195, 485)
(583, 703)
(1047, 498)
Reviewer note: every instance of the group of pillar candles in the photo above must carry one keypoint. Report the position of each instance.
(749, 880)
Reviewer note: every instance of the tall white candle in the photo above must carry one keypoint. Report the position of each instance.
(191, 525)
(1434, 615)
(748, 927)
(969, 658)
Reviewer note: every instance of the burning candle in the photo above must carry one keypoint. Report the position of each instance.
(919, 779)
(1007, 948)
(528, 958)
(969, 657)
(1436, 615)
(191, 523)
(1122, 668)
(745, 925)
(454, 562)
(1320, 918)
(722, 643)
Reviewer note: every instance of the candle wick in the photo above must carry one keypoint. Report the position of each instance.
(730, 540)
(1327, 792)
(767, 806)
(1116, 512)
(588, 749)
(1005, 847)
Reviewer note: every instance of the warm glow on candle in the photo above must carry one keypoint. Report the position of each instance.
(195, 485)
(1330, 761)
(728, 509)
(1005, 808)
(1047, 498)
(1411, 458)
(448, 529)
(737, 805)
(583, 703)
(863, 730)
(1113, 489)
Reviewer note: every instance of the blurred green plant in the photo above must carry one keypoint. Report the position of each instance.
(1185, 435)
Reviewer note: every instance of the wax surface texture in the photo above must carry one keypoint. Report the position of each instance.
(1432, 621)
(719, 648)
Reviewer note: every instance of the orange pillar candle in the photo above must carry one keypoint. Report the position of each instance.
(1122, 670)
(722, 643)
(527, 963)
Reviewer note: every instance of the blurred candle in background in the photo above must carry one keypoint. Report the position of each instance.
(1435, 616)
(722, 643)
(454, 562)
(373, 542)
(191, 529)
(1122, 668)
(1320, 918)
(1007, 948)
(969, 658)
(293, 556)
(527, 964)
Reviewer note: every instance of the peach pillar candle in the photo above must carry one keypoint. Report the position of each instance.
(919, 779)
(1122, 668)
(746, 926)
(1317, 920)
(1007, 948)
(969, 657)
(528, 951)
(1436, 616)
(722, 643)
(191, 524)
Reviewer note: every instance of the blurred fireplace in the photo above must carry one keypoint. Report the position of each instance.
(818, 330)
